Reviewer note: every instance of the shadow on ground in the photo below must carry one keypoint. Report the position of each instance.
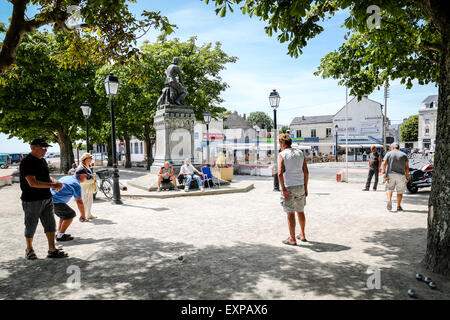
(404, 251)
(146, 268)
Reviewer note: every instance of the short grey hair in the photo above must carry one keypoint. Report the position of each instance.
(167, 162)
(395, 145)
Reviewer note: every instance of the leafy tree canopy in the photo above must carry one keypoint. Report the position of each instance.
(409, 130)
(260, 119)
(106, 28)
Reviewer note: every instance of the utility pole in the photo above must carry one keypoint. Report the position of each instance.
(386, 96)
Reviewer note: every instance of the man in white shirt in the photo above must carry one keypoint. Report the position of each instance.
(189, 172)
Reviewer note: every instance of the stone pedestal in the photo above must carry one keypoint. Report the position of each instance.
(174, 126)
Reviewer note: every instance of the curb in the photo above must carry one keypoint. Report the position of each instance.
(190, 194)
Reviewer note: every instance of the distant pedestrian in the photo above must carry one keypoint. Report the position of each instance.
(89, 187)
(374, 168)
(396, 174)
(364, 155)
(71, 171)
(37, 204)
(293, 176)
(71, 188)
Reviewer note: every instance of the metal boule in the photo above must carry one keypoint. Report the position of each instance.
(427, 280)
(419, 277)
(411, 293)
(432, 285)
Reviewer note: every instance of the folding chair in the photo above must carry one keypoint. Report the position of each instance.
(209, 177)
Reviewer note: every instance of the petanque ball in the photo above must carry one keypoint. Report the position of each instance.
(427, 280)
(432, 285)
(411, 293)
(419, 277)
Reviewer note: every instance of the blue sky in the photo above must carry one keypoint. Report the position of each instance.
(263, 65)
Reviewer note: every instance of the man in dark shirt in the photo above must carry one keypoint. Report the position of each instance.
(374, 168)
(37, 203)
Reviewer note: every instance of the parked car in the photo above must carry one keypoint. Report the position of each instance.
(4, 161)
(15, 157)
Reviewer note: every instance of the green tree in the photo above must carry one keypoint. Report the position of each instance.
(260, 119)
(39, 99)
(409, 130)
(397, 39)
(112, 28)
(284, 129)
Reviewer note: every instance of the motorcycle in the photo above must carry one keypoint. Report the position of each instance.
(420, 178)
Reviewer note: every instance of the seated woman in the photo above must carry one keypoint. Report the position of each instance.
(166, 174)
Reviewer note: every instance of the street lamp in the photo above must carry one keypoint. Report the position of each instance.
(86, 109)
(112, 86)
(258, 130)
(274, 100)
(207, 118)
(336, 127)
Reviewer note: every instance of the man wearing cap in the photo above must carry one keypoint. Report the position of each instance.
(71, 188)
(37, 204)
(396, 174)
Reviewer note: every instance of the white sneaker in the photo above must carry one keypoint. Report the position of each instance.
(202, 189)
(158, 190)
(186, 189)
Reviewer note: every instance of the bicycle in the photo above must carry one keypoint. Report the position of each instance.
(105, 184)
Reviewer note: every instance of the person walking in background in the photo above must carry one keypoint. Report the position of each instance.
(89, 187)
(293, 176)
(71, 188)
(37, 204)
(374, 168)
(396, 174)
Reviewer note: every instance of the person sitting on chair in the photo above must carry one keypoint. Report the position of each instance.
(166, 174)
(188, 171)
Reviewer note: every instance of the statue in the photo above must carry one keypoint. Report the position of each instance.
(174, 92)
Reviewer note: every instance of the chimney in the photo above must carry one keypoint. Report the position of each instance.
(303, 117)
(245, 116)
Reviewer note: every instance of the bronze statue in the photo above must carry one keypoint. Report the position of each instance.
(174, 92)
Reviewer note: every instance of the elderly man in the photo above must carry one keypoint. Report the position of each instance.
(293, 175)
(396, 174)
(166, 174)
(374, 168)
(72, 188)
(189, 172)
(37, 204)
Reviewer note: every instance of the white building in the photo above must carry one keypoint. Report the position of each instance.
(427, 123)
(315, 131)
(365, 124)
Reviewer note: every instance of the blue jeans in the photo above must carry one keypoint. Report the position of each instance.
(189, 180)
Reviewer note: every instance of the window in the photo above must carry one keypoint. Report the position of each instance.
(328, 132)
(427, 130)
(299, 133)
(142, 148)
(136, 148)
(313, 133)
(427, 119)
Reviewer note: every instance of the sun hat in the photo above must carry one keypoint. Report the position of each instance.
(85, 156)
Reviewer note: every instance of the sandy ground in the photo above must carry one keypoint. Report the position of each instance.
(231, 246)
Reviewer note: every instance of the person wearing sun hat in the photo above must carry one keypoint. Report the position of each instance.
(89, 186)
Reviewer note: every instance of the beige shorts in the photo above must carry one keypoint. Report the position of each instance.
(297, 199)
(397, 182)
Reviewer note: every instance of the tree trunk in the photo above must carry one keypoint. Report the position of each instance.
(149, 149)
(126, 137)
(437, 258)
(66, 150)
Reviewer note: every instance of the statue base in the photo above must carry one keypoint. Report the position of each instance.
(174, 126)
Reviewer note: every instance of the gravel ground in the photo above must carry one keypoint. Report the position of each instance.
(231, 248)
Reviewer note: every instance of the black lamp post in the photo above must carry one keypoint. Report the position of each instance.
(86, 109)
(112, 86)
(207, 118)
(274, 100)
(336, 150)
